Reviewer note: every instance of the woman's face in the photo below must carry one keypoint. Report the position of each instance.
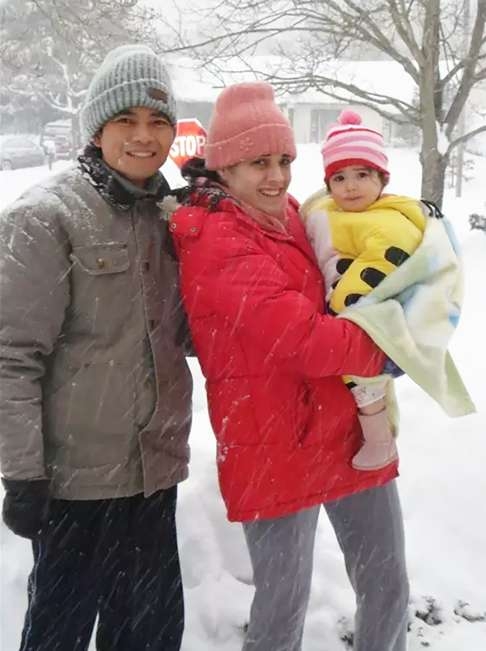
(261, 182)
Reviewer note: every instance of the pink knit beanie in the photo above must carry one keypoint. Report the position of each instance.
(350, 143)
(246, 123)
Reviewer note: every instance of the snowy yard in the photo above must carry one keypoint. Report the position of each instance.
(442, 484)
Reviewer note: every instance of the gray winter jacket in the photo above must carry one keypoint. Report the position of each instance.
(95, 393)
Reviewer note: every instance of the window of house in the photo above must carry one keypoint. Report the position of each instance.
(321, 121)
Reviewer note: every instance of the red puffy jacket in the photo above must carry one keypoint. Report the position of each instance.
(285, 423)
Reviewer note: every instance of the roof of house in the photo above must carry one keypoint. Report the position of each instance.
(383, 78)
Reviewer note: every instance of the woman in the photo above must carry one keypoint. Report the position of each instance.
(286, 426)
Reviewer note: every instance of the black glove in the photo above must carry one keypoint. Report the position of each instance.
(25, 505)
(392, 369)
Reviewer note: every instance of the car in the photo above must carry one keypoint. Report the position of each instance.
(20, 151)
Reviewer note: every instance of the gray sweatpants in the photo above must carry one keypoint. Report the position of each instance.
(369, 529)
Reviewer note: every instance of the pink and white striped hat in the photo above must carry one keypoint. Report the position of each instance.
(350, 143)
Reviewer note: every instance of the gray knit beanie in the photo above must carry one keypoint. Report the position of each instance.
(130, 76)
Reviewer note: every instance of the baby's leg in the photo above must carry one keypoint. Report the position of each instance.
(379, 448)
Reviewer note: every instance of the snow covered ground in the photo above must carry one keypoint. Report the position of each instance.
(442, 484)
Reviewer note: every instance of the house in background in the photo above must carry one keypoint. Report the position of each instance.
(311, 113)
(311, 119)
(195, 90)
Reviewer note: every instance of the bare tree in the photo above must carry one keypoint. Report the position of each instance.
(424, 37)
(49, 48)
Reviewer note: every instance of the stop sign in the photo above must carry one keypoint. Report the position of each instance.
(189, 142)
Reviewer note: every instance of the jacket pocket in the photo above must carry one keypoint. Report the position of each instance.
(232, 412)
(89, 418)
(100, 259)
(303, 416)
(104, 293)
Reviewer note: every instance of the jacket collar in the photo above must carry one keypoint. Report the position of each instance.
(115, 188)
(215, 197)
(259, 225)
(295, 232)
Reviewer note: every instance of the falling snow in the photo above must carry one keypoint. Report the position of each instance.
(442, 484)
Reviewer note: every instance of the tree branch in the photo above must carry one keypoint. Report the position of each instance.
(470, 60)
(378, 37)
(404, 27)
(465, 137)
(324, 83)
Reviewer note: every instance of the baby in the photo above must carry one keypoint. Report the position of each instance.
(360, 235)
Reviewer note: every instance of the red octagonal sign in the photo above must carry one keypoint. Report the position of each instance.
(189, 142)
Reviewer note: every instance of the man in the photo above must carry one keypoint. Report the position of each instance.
(95, 393)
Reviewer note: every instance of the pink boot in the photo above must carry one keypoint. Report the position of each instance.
(379, 448)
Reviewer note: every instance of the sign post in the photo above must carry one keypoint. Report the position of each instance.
(189, 142)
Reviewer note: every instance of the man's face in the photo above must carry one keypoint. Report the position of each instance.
(136, 143)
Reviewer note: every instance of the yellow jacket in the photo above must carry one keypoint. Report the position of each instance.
(356, 250)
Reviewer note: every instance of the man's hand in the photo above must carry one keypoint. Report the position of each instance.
(25, 505)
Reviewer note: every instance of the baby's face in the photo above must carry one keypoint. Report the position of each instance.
(355, 187)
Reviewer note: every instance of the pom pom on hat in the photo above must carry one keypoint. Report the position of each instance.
(348, 142)
(247, 123)
(349, 117)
